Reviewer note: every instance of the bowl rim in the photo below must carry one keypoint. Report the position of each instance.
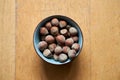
(63, 17)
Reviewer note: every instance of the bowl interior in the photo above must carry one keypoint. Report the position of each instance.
(36, 37)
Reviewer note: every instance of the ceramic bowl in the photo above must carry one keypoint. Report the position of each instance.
(36, 37)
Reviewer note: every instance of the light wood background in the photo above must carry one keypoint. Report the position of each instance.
(99, 21)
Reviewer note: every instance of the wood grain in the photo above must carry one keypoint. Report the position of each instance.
(99, 21)
(7, 39)
(105, 39)
(28, 65)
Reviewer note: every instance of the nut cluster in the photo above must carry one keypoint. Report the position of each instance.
(59, 40)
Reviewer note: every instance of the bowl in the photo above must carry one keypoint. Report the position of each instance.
(36, 38)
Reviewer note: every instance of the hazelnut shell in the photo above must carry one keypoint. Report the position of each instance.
(73, 31)
(66, 49)
(47, 53)
(54, 30)
(69, 42)
(52, 47)
(62, 24)
(60, 39)
(42, 45)
(71, 53)
(49, 39)
(58, 50)
(43, 31)
(62, 57)
(64, 32)
(75, 46)
(55, 22)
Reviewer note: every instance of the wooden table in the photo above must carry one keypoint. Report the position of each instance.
(99, 21)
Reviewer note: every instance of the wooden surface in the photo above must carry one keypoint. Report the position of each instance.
(105, 40)
(99, 21)
(7, 39)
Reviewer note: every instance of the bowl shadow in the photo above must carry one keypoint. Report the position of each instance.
(61, 72)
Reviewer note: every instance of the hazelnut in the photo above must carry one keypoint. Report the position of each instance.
(43, 31)
(75, 38)
(68, 27)
(60, 39)
(58, 50)
(69, 42)
(55, 22)
(63, 32)
(55, 57)
(66, 49)
(49, 39)
(75, 46)
(42, 45)
(62, 24)
(47, 53)
(52, 47)
(48, 25)
(73, 31)
(62, 57)
(71, 53)
(54, 30)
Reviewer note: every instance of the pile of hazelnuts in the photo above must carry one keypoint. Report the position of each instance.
(58, 40)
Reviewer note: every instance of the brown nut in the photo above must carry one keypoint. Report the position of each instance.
(49, 39)
(75, 46)
(55, 22)
(66, 49)
(75, 38)
(42, 45)
(60, 39)
(48, 25)
(54, 30)
(73, 31)
(71, 53)
(63, 32)
(69, 42)
(43, 31)
(62, 57)
(47, 53)
(62, 24)
(68, 27)
(58, 50)
(55, 57)
(52, 47)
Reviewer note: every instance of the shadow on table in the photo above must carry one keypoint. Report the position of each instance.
(63, 72)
